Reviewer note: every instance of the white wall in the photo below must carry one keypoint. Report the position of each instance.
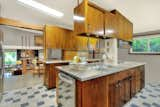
(152, 67)
(14, 36)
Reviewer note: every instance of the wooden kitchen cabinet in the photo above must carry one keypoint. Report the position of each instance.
(81, 42)
(50, 74)
(119, 89)
(113, 90)
(60, 38)
(124, 27)
(111, 24)
(92, 93)
(55, 37)
(125, 86)
(93, 23)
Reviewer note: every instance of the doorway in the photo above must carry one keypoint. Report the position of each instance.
(23, 56)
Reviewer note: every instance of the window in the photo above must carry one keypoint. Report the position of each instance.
(10, 58)
(146, 45)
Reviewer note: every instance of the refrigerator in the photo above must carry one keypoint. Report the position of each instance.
(1, 70)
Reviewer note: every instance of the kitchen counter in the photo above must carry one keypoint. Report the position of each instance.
(67, 61)
(84, 72)
(55, 61)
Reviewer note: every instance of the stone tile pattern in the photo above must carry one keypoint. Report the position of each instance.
(148, 97)
(39, 96)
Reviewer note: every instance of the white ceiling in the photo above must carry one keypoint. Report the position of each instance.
(143, 13)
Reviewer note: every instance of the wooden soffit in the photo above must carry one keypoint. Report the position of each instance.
(16, 23)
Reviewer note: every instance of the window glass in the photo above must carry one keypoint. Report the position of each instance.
(148, 45)
(140, 45)
(10, 58)
(154, 44)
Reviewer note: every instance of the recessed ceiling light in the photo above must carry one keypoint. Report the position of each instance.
(78, 18)
(42, 8)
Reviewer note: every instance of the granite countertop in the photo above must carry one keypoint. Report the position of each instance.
(65, 61)
(84, 72)
(55, 61)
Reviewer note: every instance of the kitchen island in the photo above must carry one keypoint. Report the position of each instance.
(99, 85)
(50, 73)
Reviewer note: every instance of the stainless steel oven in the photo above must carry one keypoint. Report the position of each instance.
(66, 93)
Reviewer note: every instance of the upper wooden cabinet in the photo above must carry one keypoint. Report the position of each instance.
(60, 38)
(124, 27)
(111, 24)
(55, 37)
(92, 19)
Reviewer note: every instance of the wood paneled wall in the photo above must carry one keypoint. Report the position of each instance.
(68, 55)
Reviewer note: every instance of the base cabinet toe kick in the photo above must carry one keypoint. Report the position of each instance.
(113, 90)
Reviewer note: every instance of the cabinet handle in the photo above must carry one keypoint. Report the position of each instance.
(117, 85)
(130, 79)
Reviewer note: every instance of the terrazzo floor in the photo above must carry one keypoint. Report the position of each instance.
(39, 96)
(148, 97)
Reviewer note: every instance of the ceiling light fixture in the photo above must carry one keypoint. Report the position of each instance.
(78, 18)
(42, 8)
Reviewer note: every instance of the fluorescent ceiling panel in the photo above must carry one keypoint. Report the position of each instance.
(42, 7)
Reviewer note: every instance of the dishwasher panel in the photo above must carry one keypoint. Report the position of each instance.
(66, 91)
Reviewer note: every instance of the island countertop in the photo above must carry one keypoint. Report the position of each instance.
(84, 72)
(66, 61)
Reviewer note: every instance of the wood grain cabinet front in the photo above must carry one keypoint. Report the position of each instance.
(113, 90)
(50, 75)
(111, 24)
(92, 22)
(124, 27)
(120, 92)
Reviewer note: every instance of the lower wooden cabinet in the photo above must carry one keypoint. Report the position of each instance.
(50, 74)
(125, 86)
(120, 92)
(110, 91)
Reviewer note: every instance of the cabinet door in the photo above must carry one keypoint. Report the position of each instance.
(124, 27)
(55, 37)
(142, 76)
(133, 83)
(120, 92)
(95, 21)
(114, 95)
(127, 89)
(80, 10)
(110, 24)
(81, 42)
(120, 29)
(129, 31)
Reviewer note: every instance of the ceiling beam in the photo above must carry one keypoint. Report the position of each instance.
(19, 24)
